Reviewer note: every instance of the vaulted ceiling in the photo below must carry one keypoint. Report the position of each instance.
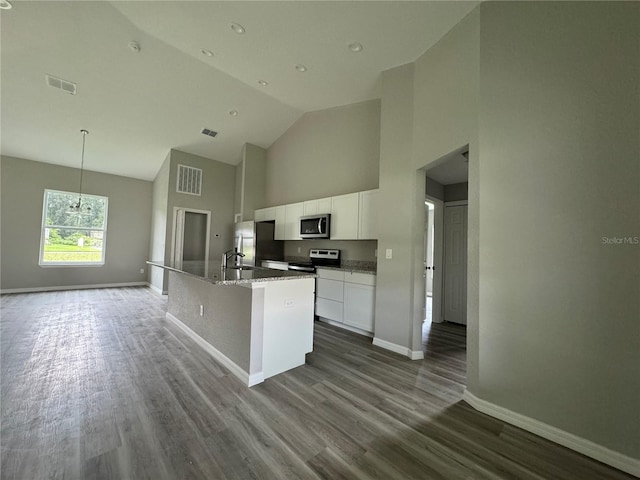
(139, 105)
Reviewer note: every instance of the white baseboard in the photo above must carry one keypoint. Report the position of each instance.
(159, 291)
(255, 378)
(72, 287)
(233, 367)
(344, 326)
(566, 439)
(394, 347)
(416, 354)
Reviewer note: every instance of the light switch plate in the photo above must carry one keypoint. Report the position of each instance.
(389, 254)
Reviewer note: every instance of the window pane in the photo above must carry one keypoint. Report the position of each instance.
(73, 236)
(62, 245)
(58, 211)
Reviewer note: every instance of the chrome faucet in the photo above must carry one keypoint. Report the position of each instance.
(230, 254)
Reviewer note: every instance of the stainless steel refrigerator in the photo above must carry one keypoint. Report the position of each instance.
(256, 241)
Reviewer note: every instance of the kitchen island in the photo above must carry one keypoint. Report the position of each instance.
(258, 322)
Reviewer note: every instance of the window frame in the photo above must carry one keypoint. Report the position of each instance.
(44, 226)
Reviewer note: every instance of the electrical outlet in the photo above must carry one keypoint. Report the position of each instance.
(142, 270)
(389, 254)
(288, 303)
(202, 310)
(298, 249)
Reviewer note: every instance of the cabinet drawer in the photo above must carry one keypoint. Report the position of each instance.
(329, 309)
(330, 274)
(360, 278)
(330, 289)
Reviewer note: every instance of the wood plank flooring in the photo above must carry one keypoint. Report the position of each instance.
(96, 384)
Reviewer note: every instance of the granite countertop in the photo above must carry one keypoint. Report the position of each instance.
(214, 273)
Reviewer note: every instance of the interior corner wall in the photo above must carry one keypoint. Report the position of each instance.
(21, 197)
(394, 284)
(446, 119)
(157, 277)
(325, 153)
(559, 216)
(253, 190)
(239, 175)
(218, 193)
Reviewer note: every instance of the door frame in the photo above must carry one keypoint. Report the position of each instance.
(438, 257)
(179, 229)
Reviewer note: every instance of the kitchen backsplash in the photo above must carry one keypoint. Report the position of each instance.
(350, 250)
(355, 264)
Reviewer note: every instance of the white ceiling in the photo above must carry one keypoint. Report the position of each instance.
(452, 168)
(137, 106)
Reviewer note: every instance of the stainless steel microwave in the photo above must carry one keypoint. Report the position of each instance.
(315, 226)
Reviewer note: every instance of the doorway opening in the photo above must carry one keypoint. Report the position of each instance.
(445, 259)
(191, 235)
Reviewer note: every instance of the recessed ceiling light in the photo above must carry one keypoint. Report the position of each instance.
(5, 5)
(236, 27)
(233, 113)
(263, 83)
(355, 47)
(301, 68)
(206, 53)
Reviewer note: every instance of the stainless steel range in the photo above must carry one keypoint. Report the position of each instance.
(318, 258)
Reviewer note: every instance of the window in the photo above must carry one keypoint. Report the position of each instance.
(69, 237)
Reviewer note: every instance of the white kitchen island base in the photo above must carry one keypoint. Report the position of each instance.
(257, 329)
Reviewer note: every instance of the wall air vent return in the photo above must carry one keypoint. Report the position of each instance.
(64, 85)
(189, 180)
(211, 133)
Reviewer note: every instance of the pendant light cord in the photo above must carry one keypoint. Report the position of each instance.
(84, 136)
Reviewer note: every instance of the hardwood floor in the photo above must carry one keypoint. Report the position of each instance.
(96, 384)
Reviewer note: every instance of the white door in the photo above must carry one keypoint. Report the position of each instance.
(455, 264)
(428, 248)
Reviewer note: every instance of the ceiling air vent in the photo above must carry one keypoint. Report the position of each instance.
(211, 133)
(189, 180)
(64, 85)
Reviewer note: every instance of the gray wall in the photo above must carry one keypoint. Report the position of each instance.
(325, 153)
(218, 193)
(560, 169)
(253, 180)
(364, 250)
(456, 192)
(128, 225)
(434, 189)
(157, 277)
(394, 292)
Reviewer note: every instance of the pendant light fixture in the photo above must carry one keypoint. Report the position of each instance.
(77, 207)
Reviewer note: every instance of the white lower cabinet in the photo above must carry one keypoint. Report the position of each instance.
(347, 298)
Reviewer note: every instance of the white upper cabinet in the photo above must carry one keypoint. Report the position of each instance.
(293, 212)
(265, 214)
(280, 218)
(368, 215)
(344, 216)
(314, 207)
(354, 216)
